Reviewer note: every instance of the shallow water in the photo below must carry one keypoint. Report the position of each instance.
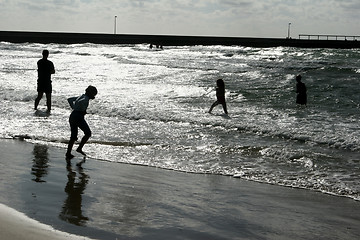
(152, 109)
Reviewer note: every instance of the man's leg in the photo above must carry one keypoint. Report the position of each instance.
(37, 100)
(48, 101)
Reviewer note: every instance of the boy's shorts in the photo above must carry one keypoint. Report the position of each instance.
(76, 121)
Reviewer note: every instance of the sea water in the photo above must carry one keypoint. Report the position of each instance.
(152, 107)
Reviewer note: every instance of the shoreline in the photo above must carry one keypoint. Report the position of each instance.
(168, 40)
(107, 200)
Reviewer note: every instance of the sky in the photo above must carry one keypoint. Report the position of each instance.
(231, 18)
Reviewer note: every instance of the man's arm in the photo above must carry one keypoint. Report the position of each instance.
(53, 69)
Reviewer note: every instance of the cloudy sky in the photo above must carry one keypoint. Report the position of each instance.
(240, 18)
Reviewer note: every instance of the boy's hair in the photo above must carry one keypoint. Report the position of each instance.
(91, 90)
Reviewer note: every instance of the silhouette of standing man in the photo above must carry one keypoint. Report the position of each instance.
(45, 69)
(301, 97)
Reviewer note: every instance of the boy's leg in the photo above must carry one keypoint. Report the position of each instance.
(82, 143)
(73, 137)
(70, 146)
(87, 134)
(212, 106)
(225, 108)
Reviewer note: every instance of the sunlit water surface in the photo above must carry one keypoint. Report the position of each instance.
(152, 109)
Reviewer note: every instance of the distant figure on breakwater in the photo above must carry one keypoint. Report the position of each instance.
(220, 96)
(151, 46)
(77, 120)
(45, 69)
(301, 97)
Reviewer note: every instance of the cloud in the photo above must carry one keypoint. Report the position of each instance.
(261, 18)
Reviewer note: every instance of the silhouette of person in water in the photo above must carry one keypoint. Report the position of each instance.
(77, 119)
(220, 95)
(301, 97)
(45, 69)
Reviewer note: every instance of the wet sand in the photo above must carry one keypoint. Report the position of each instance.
(104, 200)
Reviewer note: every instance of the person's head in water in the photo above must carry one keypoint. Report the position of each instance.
(298, 78)
(91, 92)
(45, 54)
(220, 83)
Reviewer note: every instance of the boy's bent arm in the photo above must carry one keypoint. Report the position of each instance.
(71, 101)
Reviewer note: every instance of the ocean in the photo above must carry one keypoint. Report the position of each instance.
(152, 109)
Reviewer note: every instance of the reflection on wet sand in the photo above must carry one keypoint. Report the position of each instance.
(40, 162)
(72, 208)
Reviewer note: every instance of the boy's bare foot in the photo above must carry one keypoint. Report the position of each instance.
(69, 156)
(80, 151)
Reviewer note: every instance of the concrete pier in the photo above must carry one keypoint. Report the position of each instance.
(168, 40)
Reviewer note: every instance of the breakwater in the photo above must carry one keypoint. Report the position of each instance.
(168, 40)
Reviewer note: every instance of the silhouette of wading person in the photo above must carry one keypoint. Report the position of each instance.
(77, 119)
(301, 97)
(45, 69)
(220, 96)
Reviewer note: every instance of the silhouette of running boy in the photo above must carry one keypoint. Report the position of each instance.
(220, 95)
(45, 69)
(77, 120)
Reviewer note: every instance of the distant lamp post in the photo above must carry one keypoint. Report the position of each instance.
(289, 31)
(115, 25)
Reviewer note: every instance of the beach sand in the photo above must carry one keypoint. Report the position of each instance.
(104, 200)
(15, 225)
